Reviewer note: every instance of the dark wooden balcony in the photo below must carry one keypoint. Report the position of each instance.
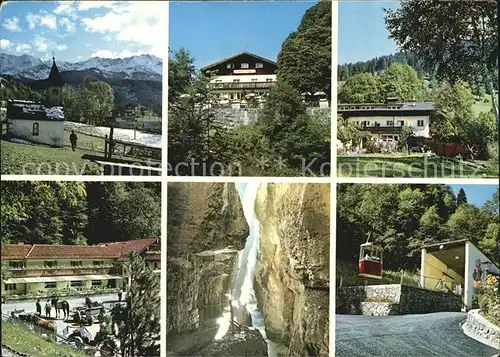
(245, 85)
(394, 129)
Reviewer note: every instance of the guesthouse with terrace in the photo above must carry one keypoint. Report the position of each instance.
(41, 123)
(43, 269)
(383, 123)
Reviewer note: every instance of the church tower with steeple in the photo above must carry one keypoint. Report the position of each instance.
(55, 85)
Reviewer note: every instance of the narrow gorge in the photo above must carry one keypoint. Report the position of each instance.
(256, 255)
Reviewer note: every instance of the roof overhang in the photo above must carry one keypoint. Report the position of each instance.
(207, 67)
(448, 252)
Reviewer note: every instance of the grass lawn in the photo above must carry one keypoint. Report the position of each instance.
(414, 165)
(23, 341)
(19, 159)
(483, 106)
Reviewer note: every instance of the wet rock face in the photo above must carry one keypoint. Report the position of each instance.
(206, 228)
(204, 216)
(292, 273)
(246, 342)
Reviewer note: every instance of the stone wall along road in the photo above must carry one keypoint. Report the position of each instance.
(477, 327)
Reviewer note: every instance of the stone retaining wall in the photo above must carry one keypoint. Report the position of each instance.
(480, 329)
(246, 116)
(395, 299)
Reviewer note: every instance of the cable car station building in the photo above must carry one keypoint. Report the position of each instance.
(455, 266)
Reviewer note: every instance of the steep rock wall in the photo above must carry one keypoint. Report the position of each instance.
(292, 273)
(206, 228)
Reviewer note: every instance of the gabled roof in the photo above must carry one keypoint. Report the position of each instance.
(123, 249)
(55, 79)
(235, 56)
(15, 251)
(118, 250)
(29, 110)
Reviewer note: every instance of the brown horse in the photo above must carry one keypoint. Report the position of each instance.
(46, 324)
(61, 305)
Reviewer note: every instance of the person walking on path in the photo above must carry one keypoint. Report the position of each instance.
(73, 138)
(38, 307)
(48, 307)
(120, 293)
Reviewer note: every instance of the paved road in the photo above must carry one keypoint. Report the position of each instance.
(426, 335)
(29, 306)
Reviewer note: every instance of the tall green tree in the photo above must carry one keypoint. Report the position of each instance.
(347, 131)
(305, 58)
(467, 222)
(361, 88)
(73, 203)
(461, 197)
(405, 137)
(71, 101)
(96, 101)
(139, 327)
(181, 72)
(463, 47)
(400, 81)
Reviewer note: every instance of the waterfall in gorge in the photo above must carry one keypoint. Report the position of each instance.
(241, 291)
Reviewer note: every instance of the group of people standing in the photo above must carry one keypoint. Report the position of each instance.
(48, 308)
(48, 305)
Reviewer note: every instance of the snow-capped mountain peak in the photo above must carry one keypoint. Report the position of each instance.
(34, 68)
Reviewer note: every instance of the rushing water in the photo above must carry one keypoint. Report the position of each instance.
(241, 290)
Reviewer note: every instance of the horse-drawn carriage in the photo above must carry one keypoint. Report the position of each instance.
(87, 316)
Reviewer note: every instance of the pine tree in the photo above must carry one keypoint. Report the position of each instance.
(461, 197)
(139, 323)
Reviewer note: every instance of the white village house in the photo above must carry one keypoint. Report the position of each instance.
(41, 123)
(382, 123)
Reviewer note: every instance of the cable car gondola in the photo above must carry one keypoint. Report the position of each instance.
(370, 260)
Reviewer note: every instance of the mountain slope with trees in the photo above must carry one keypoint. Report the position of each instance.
(402, 218)
(78, 212)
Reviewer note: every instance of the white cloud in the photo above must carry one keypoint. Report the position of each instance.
(41, 44)
(4, 44)
(44, 45)
(67, 8)
(64, 8)
(67, 24)
(41, 19)
(23, 47)
(141, 23)
(12, 24)
(111, 54)
(87, 5)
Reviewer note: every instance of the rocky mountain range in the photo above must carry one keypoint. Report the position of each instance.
(135, 79)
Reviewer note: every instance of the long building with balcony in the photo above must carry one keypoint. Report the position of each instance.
(38, 269)
(383, 122)
(242, 77)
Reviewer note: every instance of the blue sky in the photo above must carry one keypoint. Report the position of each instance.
(80, 30)
(362, 32)
(476, 194)
(212, 31)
